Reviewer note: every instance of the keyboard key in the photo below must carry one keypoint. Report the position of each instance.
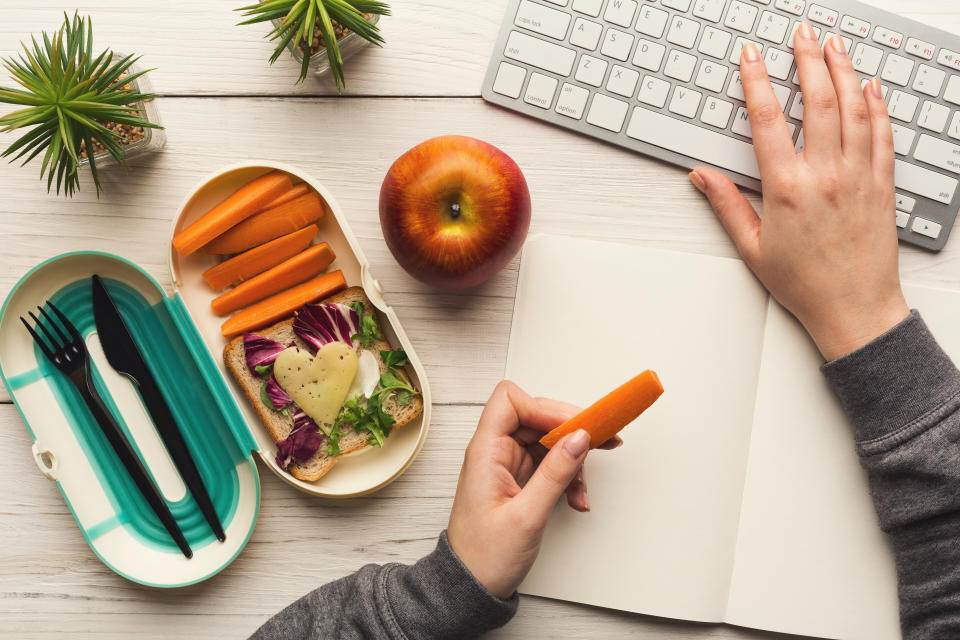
(902, 219)
(715, 42)
(741, 16)
(949, 58)
(903, 106)
(741, 123)
(929, 80)
(735, 90)
(607, 112)
(939, 153)
(680, 66)
(591, 70)
(621, 12)
(540, 53)
(652, 22)
(796, 25)
(586, 34)
(711, 10)
(933, 116)
(685, 102)
(801, 145)
(589, 7)
(883, 88)
(905, 203)
(617, 44)
(712, 76)
(693, 141)
(823, 15)
(796, 7)
(509, 80)
(679, 5)
(954, 130)
(783, 94)
(716, 112)
(866, 59)
(952, 94)
(927, 228)
(923, 182)
(738, 49)
(540, 90)
(847, 42)
(779, 63)
(683, 32)
(623, 81)
(796, 111)
(897, 70)
(902, 139)
(654, 91)
(773, 27)
(572, 101)
(887, 37)
(649, 55)
(855, 26)
(920, 48)
(542, 20)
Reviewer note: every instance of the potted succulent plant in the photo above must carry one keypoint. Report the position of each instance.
(74, 103)
(308, 27)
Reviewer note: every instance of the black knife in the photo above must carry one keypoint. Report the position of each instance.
(125, 357)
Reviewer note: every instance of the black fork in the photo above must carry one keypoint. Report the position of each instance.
(68, 352)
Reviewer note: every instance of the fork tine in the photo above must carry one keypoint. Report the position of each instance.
(53, 323)
(46, 332)
(37, 339)
(66, 323)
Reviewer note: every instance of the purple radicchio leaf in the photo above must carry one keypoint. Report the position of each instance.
(320, 324)
(278, 397)
(301, 444)
(260, 351)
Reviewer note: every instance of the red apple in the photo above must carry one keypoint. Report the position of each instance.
(454, 211)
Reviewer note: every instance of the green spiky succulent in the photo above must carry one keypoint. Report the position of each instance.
(297, 21)
(69, 95)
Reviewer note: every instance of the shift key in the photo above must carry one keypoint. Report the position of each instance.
(539, 53)
(939, 153)
(923, 182)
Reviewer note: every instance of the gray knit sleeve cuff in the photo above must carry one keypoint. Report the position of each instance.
(894, 387)
(458, 606)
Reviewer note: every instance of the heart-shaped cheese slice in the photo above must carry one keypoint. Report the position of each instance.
(318, 384)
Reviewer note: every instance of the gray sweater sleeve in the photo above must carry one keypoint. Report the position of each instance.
(437, 597)
(902, 394)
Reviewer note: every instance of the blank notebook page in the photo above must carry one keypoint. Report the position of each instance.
(661, 534)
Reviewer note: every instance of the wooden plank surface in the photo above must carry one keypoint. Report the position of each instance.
(51, 583)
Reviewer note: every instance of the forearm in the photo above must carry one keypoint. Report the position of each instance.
(435, 598)
(902, 394)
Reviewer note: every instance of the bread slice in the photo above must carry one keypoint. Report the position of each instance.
(280, 426)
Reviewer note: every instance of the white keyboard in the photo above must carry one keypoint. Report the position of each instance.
(661, 77)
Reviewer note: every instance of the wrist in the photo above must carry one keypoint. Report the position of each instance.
(843, 332)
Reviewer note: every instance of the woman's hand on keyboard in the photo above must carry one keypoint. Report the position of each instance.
(826, 247)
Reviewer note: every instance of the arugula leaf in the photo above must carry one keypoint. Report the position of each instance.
(404, 397)
(265, 398)
(333, 448)
(263, 370)
(395, 358)
(368, 326)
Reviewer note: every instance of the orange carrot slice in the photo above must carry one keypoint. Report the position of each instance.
(302, 266)
(281, 305)
(299, 189)
(257, 260)
(611, 413)
(243, 203)
(269, 224)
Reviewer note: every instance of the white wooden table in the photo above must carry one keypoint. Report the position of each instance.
(224, 104)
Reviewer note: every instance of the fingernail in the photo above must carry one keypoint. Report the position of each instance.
(836, 43)
(576, 443)
(750, 52)
(806, 31)
(875, 88)
(698, 182)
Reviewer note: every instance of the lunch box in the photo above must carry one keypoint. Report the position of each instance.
(180, 339)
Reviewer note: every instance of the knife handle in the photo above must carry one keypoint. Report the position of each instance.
(177, 448)
(132, 463)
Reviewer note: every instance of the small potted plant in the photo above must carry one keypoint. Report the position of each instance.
(76, 103)
(308, 27)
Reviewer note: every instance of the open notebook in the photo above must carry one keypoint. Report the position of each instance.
(738, 496)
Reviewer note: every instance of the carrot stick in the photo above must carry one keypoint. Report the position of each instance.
(269, 224)
(243, 203)
(257, 260)
(611, 413)
(302, 266)
(283, 304)
(299, 189)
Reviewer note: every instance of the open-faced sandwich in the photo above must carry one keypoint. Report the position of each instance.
(325, 382)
